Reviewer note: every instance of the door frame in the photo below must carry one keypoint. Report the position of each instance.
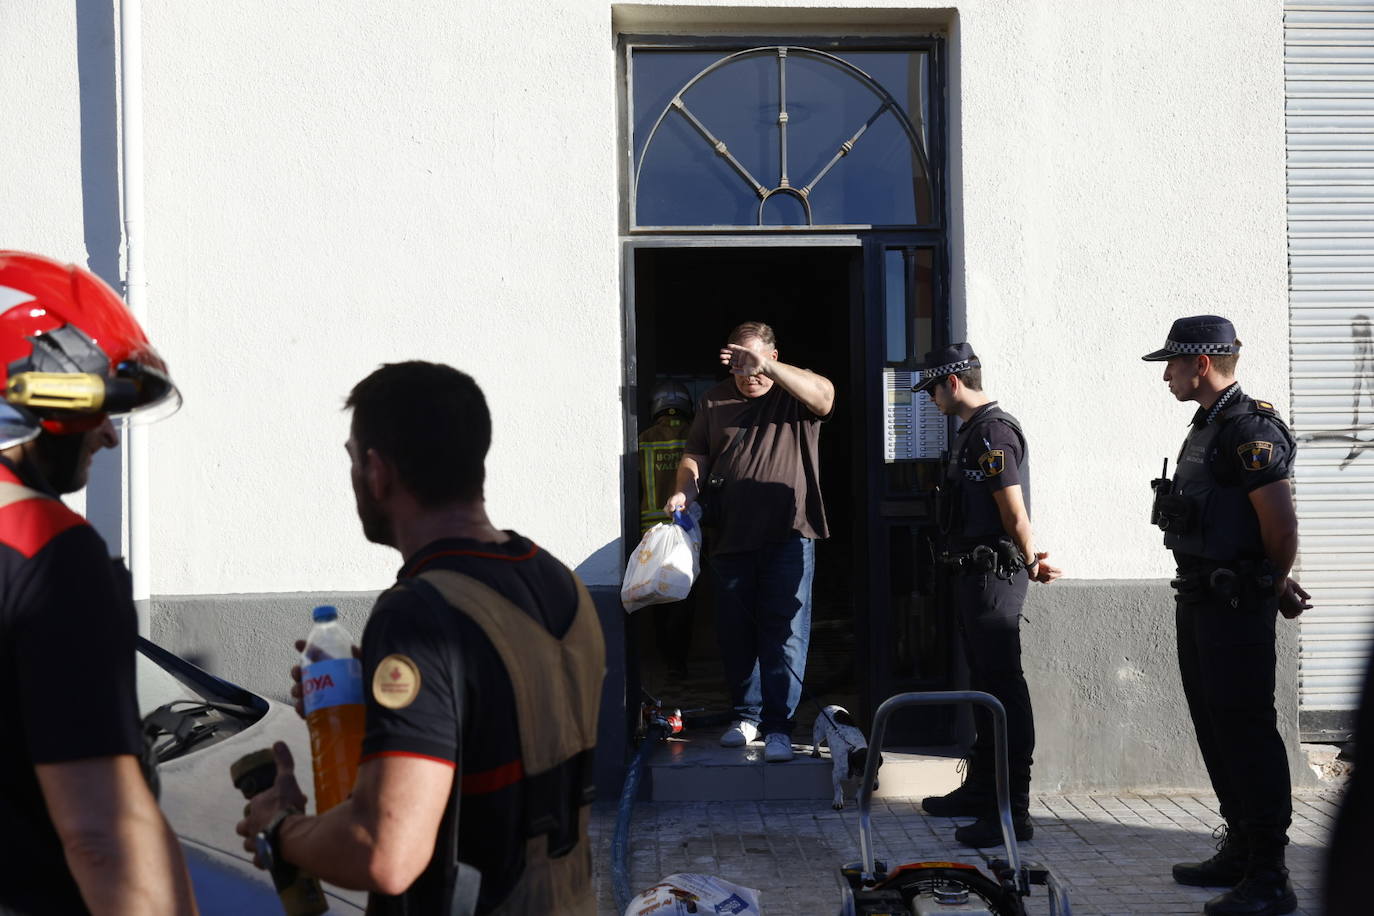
(876, 626)
(871, 611)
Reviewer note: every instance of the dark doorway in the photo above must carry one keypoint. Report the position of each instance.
(686, 302)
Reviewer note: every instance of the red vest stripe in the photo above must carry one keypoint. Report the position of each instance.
(30, 524)
(493, 780)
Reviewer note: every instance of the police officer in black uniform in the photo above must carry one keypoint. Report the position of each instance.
(1228, 516)
(985, 520)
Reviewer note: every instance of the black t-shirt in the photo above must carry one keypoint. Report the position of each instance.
(67, 640)
(403, 630)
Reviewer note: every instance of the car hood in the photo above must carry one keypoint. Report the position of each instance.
(202, 805)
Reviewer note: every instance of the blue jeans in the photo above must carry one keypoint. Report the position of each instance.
(763, 620)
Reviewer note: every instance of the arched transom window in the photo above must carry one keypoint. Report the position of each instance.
(782, 136)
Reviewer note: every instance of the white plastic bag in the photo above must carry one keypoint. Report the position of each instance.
(679, 895)
(663, 566)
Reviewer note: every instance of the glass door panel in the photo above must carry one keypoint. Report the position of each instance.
(910, 631)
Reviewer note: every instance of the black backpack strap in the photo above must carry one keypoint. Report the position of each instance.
(735, 440)
(462, 882)
(747, 419)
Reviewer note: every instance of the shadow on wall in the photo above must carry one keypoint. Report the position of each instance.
(599, 561)
(100, 218)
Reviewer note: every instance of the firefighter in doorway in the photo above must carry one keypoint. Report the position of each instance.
(660, 451)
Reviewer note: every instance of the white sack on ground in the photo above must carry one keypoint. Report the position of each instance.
(684, 894)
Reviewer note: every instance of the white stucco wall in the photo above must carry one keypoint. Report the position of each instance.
(331, 187)
(1123, 165)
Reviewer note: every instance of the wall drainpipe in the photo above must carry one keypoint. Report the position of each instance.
(135, 288)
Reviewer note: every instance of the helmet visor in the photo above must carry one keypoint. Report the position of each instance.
(142, 392)
(160, 409)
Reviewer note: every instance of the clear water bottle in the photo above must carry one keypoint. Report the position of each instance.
(332, 691)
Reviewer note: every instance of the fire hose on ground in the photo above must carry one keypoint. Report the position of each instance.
(659, 724)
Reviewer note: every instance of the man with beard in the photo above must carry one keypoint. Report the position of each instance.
(82, 830)
(482, 671)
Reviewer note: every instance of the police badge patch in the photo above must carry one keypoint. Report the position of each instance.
(1255, 456)
(993, 462)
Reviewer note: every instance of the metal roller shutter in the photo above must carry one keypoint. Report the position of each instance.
(1329, 68)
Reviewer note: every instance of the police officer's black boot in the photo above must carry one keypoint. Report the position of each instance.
(972, 799)
(1265, 890)
(1226, 868)
(987, 830)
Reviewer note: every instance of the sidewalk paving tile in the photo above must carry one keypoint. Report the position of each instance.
(1112, 853)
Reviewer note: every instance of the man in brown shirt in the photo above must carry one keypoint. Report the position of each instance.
(754, 447)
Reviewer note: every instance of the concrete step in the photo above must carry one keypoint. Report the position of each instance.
(699, 769)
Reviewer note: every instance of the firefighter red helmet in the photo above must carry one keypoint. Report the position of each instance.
(71, 352)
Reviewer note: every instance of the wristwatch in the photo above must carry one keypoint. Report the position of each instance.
(267, 838)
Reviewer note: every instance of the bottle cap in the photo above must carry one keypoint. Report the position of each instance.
(325, 613)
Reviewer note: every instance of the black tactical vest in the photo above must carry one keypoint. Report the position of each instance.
(1223, 526)
(968, 513)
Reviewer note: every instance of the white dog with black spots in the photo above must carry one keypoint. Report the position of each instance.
(835, 729)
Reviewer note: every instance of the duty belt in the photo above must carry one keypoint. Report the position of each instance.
(1003, 560)
(1227, 584)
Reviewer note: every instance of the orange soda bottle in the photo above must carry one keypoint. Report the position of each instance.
(332, 691)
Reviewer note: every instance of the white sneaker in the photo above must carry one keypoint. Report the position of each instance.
(777, 748)
(741, 733)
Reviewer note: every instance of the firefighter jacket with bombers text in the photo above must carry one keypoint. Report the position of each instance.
(660, 452)
(507, 634)
(1233, 448)
(557, 686)
(989, 453)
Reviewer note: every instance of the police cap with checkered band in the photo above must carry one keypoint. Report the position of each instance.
(1200, 335)
(945, 361)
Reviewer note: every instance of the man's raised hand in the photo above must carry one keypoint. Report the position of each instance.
(742, 360)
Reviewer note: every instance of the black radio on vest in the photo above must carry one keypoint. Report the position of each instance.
(1201, 515)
